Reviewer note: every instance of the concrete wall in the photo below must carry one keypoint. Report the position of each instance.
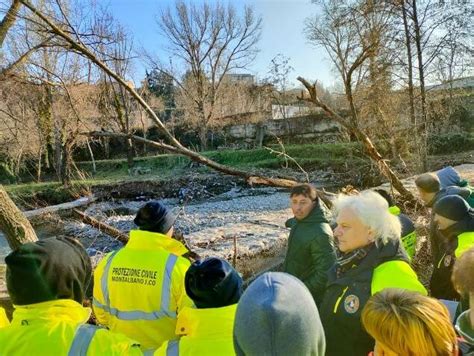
(303, 127)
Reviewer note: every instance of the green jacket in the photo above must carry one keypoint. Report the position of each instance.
(310, 251)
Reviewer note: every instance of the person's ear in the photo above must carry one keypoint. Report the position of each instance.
(371, 235)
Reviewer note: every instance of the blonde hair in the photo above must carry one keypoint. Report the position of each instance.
(409, 323)
(372, 210)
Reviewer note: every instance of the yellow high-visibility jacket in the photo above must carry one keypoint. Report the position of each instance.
(139, 289)
(58, 328)
(3, 318)
(203, 332)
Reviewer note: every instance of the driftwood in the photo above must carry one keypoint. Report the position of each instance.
(60, 207)
(109, 230)
(123, 237)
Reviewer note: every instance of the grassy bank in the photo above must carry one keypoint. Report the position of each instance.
(309, 156)
(168, 166)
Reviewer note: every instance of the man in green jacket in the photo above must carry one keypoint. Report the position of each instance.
(310, 251)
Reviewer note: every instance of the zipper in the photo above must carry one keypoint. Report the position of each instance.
(338, 301)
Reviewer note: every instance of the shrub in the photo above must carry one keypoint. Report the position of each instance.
(450, 143)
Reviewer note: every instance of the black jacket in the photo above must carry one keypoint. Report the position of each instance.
(345, 298)
(435, 235)
(310, 251)
(444, 257)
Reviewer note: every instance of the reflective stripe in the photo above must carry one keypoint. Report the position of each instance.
(104, 280)
(149, 352)
(166, 286)
(339, 299)
(134, 314)
(139, 314)
(441, 260)
(82, 340)
(173, 348)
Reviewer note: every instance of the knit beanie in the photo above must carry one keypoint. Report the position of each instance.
(49, 269)
(453, 207)
(154, 217)
(278, 316)
(213, 283)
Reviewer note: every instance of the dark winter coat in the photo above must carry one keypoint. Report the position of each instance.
(346, 296)
(435, 236)
(310, 251)
(445, 255)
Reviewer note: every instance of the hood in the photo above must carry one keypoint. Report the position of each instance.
(319, 214)
(277, 316)
(206, 323)
(146, 240)
(389, 251)
(450, 190)
(448, 176)
(53, 311)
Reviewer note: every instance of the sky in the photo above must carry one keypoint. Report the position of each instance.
(282, 33)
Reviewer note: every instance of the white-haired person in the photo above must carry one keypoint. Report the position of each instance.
(370, 258)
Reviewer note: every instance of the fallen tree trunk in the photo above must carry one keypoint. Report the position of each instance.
(123, 238)
(362, 137)
(59, 207)
(13, 223)
(109, 230)
(250, 177)
(175, 146)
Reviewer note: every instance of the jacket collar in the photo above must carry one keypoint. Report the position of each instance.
(140, 239)
(459, 227)
(208, 322)
(389, 251)
(61, 309)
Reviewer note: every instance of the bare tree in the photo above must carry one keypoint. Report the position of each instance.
(173, 144)
(13, 223)
(9, 19)
(438, 33)
(118, 53)
(209, 41)
(279, 71)
(352, 33)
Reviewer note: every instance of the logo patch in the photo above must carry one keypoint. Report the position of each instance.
(351, 303)
(447, 260)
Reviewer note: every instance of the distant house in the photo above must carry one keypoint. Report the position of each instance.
(241, 77)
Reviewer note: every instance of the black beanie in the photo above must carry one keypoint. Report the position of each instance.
(49, 269)
(154, 217)
(453, 207)
(213, 283)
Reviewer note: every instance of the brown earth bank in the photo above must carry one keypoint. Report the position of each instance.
(197, 184)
